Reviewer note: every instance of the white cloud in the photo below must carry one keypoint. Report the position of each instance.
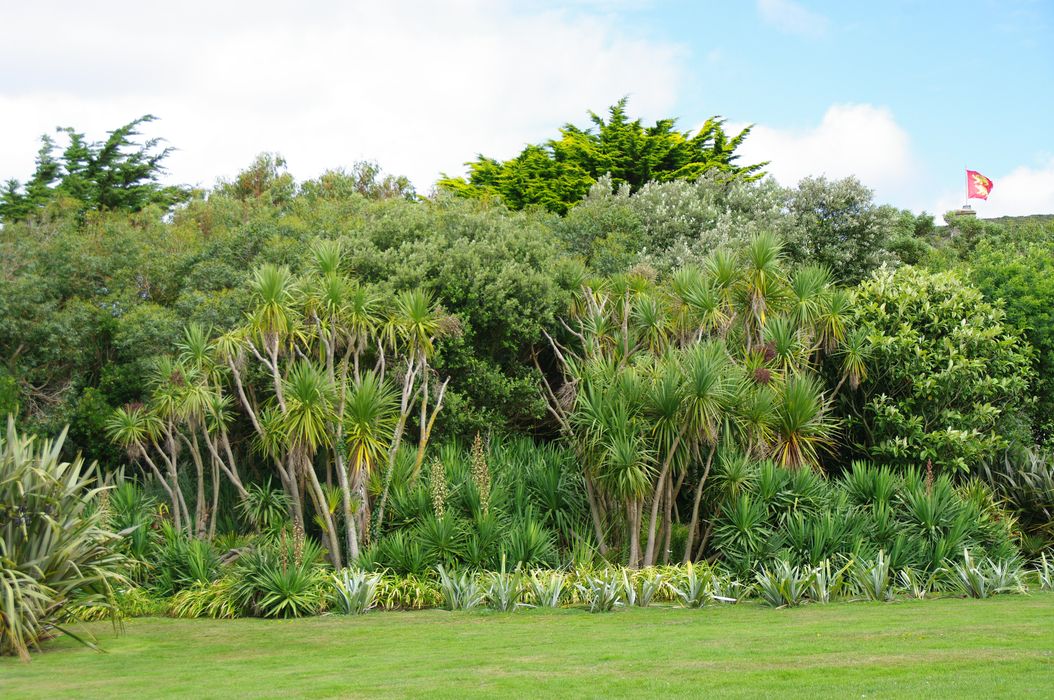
(851, 139)
(1023, 191)
(792, 18)
(420, 86)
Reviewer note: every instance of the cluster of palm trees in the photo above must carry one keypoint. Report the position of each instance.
(656, 378)
(328, 374)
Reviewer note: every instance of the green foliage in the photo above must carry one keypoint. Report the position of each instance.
(602, 591)
(460, 590)
(983, 579)
(558, 174)
(947, 379)
(355, 592)
(873, 578)
(870, 512)
(117, 173)
(1017, 272)
(265, 509)
(55, 546)
(695, 587)
(281, 577)
(782, 585)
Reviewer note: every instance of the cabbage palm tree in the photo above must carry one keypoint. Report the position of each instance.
(370, 415)
(709, 394)
(134, 428)
(308, 413)
(803, 428)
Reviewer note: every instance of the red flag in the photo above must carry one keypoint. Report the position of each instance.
(977, 185)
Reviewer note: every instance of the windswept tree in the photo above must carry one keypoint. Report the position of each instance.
(118, 173)
(559, 173)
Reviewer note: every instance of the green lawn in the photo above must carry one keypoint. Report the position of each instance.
(1002, 647)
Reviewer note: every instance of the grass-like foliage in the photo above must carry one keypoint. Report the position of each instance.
(985, 578)
(55, 547)
(782, 585)
(873, 578)
(460, 590)
(355, 592)
(546, 587)
(601, 591)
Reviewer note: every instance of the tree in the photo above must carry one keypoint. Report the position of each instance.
(656, 377)
(946, 379)
(559, 173)
(118, 173)
(1018, 274)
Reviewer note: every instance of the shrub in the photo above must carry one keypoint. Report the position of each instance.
(54, 544)
(694, 586)
(641, 587)
(217, 600)
(602, 591)
(410, 592)
(1045, 573)
(354, 592)
(545, 587)
(917, 584)
(827, 581)
(782, 585)
(983, 579)
(281, 577)
(460, 591)
(873, 579)
(505, 589)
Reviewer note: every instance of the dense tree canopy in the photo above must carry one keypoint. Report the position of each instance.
(559, 173)
(118, 173)
(946, 379)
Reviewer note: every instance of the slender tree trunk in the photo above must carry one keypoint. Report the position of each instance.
(176, 520)
(404, 412)
(215, 500)
(426, 426)
(667, 522)
(200, 504)
(695, 506)
(595, 515)
(350, 533)
(660, 487)
(232, 473)
(322, 507)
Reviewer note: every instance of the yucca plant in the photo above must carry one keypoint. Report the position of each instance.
(1045, 572)
(983, 579)
(265, 509)
(601, 591)
(827, 581)
(693, 587)
(919, 584)
(505, 589)
(460, 591)
(55, 548)
(354, 591)
(782, 585)
(641, 587)
(545, 587)
(873, 579)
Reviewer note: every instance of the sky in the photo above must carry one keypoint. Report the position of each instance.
(903, 94)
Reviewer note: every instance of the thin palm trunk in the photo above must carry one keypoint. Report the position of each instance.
(660, 487)
(322, 508)
(694, 525)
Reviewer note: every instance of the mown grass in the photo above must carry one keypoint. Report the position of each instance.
(1001, 647)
